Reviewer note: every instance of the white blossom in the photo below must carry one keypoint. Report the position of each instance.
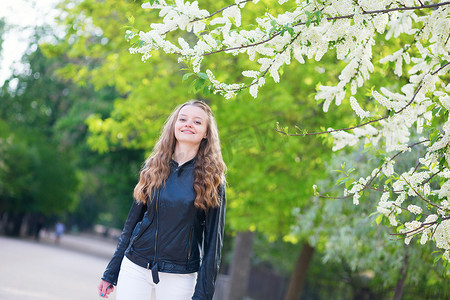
(357, 109)
(388, 168)
(444, 192)
(392, 220)
(424, 237)
(431, 219)
(415, 209)
(233, 12)
(446, 255)
(442, 235)
(254, 90)
(356, 198)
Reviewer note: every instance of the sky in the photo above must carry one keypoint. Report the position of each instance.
(23, 15)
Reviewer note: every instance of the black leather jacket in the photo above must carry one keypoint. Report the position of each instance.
(167, 234)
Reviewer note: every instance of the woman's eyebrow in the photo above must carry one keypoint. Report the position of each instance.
(195, 117)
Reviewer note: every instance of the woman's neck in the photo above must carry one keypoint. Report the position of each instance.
(184, 153)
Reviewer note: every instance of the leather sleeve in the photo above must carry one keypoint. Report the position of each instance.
(135, 215)
(212, 248)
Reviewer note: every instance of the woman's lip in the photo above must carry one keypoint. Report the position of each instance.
(187, 131)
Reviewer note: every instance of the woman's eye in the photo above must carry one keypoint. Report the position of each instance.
(198, 122)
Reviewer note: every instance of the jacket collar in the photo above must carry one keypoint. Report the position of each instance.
(189, 163)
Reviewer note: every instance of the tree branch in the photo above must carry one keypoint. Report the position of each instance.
(417, 230)
(330, 19)
(220, 10)
(374, 12)
(369, 122)
(268, 68)
(368, 186)
(420, 196)
(427, 225)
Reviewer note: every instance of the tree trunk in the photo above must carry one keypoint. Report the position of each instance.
(298, 276)
(401, 281)
(240, 265)
(14, 224)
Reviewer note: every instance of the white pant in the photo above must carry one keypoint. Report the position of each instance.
(136, 283)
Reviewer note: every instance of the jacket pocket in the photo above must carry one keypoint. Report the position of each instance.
(189, 245)
(140, 228)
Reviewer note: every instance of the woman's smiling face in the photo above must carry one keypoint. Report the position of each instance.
(191, 125)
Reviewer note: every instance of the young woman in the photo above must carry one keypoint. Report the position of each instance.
(171, 243)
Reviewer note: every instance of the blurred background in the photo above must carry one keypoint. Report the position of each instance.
(79, 115)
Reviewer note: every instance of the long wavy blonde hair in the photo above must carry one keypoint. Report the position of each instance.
(209, 167)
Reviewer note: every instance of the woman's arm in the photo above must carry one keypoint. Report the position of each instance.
(135, 215)
(214, 228)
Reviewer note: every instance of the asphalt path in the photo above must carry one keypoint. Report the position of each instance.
(70, 270)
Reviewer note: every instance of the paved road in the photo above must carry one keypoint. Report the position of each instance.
(45, 271)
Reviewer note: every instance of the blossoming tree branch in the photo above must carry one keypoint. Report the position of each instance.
(395, 119)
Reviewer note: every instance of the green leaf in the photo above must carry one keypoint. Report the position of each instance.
(290, 30)
(436, 110)
(206, 91)
(348, 183)
(272, 30)
(198, 84)
(437, 258)
(186, 76)
(379, 219)
(342, 180)
(431, 107)
(203, 76)
(442, 161)
(134, 39)
(434, 136)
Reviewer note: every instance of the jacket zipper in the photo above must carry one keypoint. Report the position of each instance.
(189, 251)
(156, 231)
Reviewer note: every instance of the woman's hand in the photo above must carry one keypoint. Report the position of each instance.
(105, 288)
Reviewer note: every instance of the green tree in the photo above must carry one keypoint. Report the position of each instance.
(368, 253)
(36, 178)
(47, 116)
